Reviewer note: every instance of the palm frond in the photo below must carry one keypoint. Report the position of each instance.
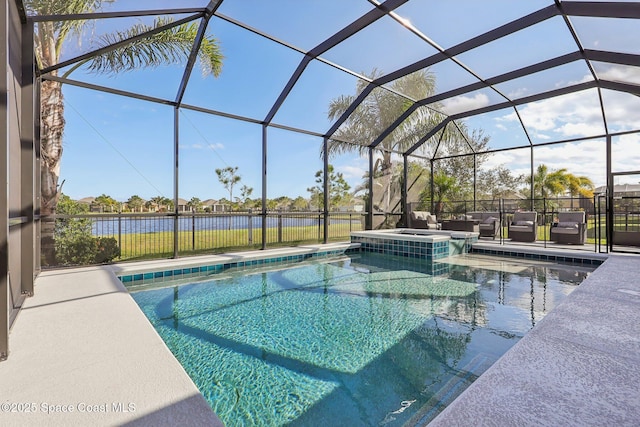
(172, 46)
(63, 7)
(50, 36)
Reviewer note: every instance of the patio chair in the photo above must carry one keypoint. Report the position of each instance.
(571, 228)
(524, 227)
(423, 219)
(488, 223)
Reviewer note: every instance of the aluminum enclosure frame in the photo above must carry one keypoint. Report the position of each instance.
(23, 218)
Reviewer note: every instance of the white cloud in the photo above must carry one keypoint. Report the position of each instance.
(625, 153)
(519, 93)
(584, 158)
(580, 129)
(620, 108)
(576, 114)
(349, 172)
(620, 73)
(579, 114)
(462, 103)
(506, 158)
(542, 136)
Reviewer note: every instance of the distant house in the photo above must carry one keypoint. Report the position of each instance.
(212, 205)
(91, 202)
(183, 205)
(628, 190)
(512, 200)
(626, 197)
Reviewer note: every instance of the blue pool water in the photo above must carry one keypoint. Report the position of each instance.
(365, 340)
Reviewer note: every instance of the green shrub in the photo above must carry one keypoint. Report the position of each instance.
(74, 242)
(76, 249)
(107, 250)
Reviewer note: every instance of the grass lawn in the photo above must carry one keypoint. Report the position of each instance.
(140, 246)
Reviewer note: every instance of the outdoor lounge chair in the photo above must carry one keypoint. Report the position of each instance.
(570, 228)
(423, 219)
(488, 223)
(524, 227)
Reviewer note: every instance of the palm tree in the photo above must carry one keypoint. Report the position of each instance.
(443, 186)
(377, 113)
(164, 48)
(579, 186)
(552, 183)
(547, 183)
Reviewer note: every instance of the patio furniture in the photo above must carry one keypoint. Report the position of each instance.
(571, 228)
(626, 238)
(423, 219)
(524, 227)
(460, 225)
(488, 223)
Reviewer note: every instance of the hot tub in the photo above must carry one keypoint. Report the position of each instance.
(429, 245)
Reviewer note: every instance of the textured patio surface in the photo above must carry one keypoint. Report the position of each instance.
(579, 366)
(83, 354)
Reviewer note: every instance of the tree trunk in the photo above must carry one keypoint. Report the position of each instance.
(52, 127)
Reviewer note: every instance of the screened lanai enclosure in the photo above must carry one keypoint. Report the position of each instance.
(139, 129)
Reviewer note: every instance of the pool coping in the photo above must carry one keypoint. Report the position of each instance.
(576, 256)
(211, 265)
(579, 366)
(82, 337)
(417, 234)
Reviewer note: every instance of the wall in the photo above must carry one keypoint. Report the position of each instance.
(17, 166)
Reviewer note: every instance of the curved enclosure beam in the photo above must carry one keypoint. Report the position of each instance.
(365, 20)
(533, 98)
(492, 35)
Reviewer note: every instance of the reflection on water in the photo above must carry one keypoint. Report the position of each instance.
(370, 340)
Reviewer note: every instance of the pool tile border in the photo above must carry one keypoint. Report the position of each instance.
(214, 268)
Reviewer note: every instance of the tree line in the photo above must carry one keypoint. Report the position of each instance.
(229, 178)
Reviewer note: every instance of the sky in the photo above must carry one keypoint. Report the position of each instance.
(121, 146)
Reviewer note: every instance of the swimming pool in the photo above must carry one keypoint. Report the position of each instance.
(365, 339)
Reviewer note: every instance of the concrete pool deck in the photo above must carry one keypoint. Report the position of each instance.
(82, 343)
(579, 366)
(82, 353)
